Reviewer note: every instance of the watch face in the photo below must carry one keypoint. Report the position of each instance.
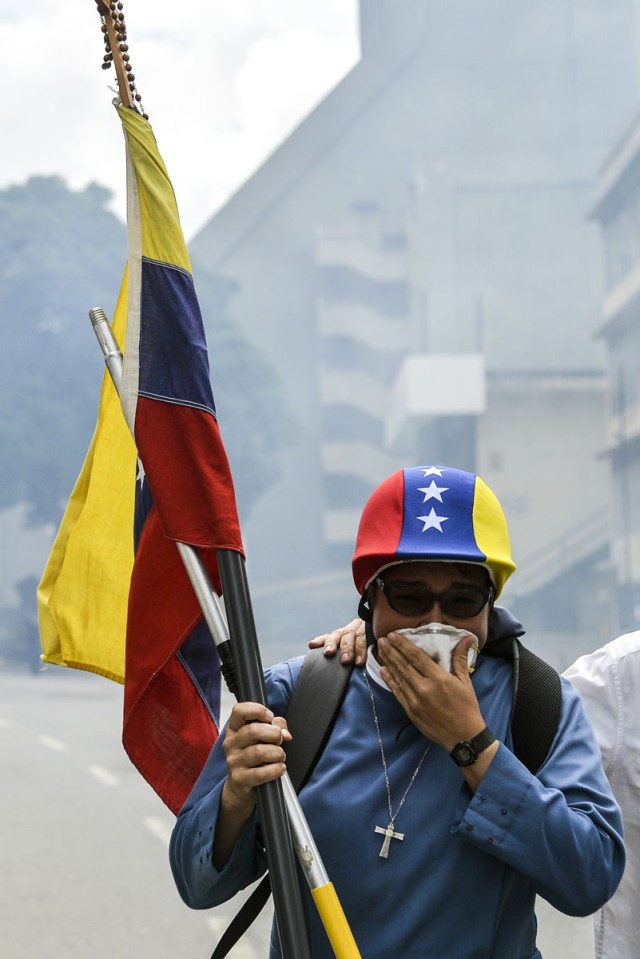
(464, 754)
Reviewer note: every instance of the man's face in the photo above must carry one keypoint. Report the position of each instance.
(436, 577)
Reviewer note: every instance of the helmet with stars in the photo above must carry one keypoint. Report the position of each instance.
(432, 513)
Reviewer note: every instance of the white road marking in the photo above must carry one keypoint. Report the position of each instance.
(160, 828)
(51, 743)
(218, 924)
(104, 776)
(243, 949)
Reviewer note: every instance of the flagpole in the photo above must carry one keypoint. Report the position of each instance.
(246, 655)
(242, 670)
(322, 889)
(271, 797)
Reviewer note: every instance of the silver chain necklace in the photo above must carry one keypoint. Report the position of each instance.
(389, 833)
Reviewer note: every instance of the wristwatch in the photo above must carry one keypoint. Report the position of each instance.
(466, 752)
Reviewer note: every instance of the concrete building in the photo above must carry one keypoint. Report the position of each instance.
(417, 262)
(617, 210)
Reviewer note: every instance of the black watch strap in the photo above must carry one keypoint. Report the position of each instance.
(466, 752)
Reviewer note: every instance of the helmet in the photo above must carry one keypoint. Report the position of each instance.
(432, 513)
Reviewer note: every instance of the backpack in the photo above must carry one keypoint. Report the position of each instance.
(321, 688)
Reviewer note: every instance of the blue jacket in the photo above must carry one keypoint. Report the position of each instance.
(470, 865)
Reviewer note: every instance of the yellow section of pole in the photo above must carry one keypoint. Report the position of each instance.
(335, 922)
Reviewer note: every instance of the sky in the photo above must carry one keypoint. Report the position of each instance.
(223, 83)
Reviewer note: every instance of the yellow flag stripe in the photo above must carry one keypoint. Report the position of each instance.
(155, 195)
(83, 594)
(82, 597)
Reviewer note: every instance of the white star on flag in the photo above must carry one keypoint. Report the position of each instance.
(141, 473)
(432, 471)
(432, 521)
(432, 491)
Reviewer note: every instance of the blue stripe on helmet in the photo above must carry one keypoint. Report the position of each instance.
(438, 515)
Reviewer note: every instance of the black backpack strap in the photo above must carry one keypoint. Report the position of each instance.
(537, 700)
(248, 913)
(314, 705)
(312, 711)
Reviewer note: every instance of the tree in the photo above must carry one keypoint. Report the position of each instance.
(61, 253)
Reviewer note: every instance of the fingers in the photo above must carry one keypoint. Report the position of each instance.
(440, 704)
(460, 656)
(399, 652)
(348, 641)
(403, 665)
(253, 747)
(351, 640)
(251, 723)
(282, 724)
(359, 642)
(243, 713)
(330, 641)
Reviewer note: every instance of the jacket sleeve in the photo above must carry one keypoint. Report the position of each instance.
(561, 828)
(199, 883)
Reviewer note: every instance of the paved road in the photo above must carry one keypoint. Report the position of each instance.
(83, 870)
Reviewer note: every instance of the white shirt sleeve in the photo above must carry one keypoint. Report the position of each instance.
(596, 678)
(609, 683)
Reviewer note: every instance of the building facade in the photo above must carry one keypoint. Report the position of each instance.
(417, 262)
(617, 210)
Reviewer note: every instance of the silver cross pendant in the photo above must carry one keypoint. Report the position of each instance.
(389, 834)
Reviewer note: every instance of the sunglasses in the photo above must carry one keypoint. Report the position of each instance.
(461, 602)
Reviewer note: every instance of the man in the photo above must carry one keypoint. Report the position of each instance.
(436, 837)
(609, 683)
(608, 680)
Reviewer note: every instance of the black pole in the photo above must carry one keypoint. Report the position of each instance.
(287, 900)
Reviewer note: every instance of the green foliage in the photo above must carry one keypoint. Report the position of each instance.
(61, 253)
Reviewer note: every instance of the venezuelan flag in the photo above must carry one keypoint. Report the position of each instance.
(114, 569)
